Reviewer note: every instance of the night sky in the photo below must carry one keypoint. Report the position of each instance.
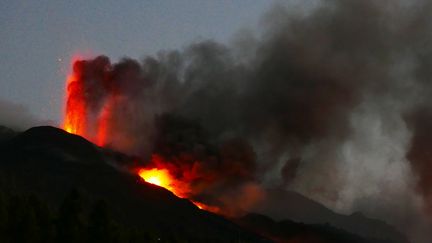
(38, 38)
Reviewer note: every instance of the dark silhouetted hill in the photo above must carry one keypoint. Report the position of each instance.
(50, 163)
(286, 231)
(282, 204)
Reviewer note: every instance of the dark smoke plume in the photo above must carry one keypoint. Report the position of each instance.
(324, 101)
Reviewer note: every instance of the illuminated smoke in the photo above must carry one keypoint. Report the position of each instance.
(85, 95)
(317, 102)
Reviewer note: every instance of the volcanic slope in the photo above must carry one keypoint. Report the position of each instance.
(50, 163)
(281, 205)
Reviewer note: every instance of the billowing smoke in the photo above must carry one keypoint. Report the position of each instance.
(333, 101)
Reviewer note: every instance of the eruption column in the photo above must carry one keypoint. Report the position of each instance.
(75, 110)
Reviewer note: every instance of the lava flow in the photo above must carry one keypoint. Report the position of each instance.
(159, 177)
(76, 121)
(93, 96)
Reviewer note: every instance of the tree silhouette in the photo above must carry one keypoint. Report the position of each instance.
(44, 219)
(3, 217)
(100, 225)
(27, 219)
(70, 223)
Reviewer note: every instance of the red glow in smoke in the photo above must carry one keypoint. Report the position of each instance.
(79, 120)
(76, 116)
(75, 110)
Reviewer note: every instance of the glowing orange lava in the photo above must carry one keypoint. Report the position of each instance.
(159, 177)
(163, 178)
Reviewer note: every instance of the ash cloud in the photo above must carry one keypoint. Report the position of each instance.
(333, 102)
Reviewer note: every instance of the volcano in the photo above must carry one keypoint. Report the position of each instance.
(50, 163)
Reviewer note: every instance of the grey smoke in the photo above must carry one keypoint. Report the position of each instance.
(335, 100)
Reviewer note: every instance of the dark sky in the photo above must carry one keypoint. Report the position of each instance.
(38, 38)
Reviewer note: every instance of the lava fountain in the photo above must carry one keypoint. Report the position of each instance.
(75, 110)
